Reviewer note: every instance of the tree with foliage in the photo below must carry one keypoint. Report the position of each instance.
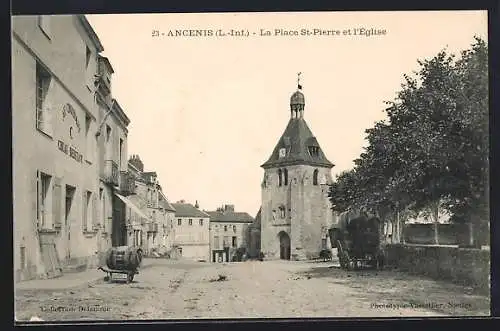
(433, 147)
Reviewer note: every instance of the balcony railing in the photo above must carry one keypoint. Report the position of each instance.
(103, 79)
(111, 172)
(152, 227)
(127, 183)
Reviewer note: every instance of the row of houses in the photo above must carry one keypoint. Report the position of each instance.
(76, 192)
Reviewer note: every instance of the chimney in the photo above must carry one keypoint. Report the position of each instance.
(229, 208)
(136, 162)
(196, 205)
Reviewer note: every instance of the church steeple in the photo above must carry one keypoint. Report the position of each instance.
(297, 101)
(297, 144)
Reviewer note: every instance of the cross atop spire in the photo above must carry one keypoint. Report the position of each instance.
(298, 81)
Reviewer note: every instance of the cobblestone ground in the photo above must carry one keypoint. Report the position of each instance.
(253, 289)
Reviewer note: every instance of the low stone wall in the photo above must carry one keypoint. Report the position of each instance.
(470, 267)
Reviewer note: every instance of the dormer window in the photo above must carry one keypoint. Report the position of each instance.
(282, 153)
(313, 150)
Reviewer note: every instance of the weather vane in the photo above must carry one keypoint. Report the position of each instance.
(298, 80)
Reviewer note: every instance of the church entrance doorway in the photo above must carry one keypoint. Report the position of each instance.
(284, 245)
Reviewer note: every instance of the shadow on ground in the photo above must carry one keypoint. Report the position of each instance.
(400, 288)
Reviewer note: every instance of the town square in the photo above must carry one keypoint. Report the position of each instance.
(255, 165)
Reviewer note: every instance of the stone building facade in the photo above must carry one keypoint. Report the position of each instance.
(58, 220)
(190, 232)
(295, 210)
(253, 235)
(149, 215)
(228, 232)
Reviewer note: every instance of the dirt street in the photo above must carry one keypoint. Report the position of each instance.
(253, 289)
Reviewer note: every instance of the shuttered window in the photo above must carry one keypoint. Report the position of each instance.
(87, 212)
(56, 202)
(43, 108)
(95, 216)
(43, 196)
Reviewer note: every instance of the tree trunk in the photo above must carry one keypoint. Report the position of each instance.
(471, 233)
(398, 228)
(436, 224)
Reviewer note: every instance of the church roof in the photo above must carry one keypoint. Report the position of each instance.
(296, 140)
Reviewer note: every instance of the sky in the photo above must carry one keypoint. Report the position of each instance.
(206, 112)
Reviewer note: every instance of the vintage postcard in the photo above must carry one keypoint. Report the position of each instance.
(250, 165)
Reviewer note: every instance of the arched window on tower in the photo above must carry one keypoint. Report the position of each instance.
(282, 211)
(285, 171)
(280, 178)
(315, 177)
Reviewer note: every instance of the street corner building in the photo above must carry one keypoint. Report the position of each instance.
(148, 214)
(69, 146)
(229, 234)
(190, 232)
(295, 211)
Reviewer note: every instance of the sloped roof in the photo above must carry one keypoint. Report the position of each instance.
(188, 210)
(296, 139)
(138, 201)
(230, 217)
(163, 202)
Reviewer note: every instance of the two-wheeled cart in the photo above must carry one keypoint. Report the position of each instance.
(122, 260)
(130, 273)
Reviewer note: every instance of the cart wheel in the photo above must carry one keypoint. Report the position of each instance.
(130, 278)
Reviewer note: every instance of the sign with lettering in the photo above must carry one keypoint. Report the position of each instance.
(73, 153)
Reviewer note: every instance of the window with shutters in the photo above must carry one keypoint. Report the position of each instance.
(22, 257)
(44, 198)
(216, 242)
(179, 221)
(87, 211)
(226, 241)
(44, 25)
(57, 203)
(89, 141)
(235, 243)
(43, 108)
(190, 221)
(234, 228)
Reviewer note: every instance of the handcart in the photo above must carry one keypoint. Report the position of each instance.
(130, 273)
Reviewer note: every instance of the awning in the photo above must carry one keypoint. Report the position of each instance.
(132, 206)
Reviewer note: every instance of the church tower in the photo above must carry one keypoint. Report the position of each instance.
(295, 210)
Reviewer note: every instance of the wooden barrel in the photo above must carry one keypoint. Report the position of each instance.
(123, 258)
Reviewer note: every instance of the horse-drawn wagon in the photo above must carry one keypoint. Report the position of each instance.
(357, 239)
